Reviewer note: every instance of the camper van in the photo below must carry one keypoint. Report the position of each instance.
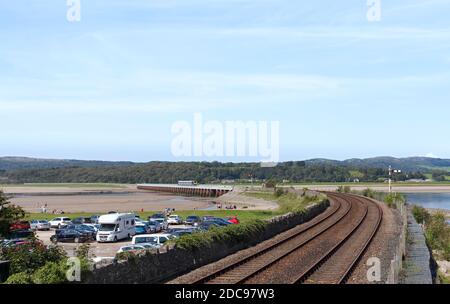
(114, 227)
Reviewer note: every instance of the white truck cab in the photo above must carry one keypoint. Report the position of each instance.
(114, 227)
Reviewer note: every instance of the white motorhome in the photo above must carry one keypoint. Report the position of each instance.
(114, 227)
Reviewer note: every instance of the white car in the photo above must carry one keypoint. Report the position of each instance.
(156, 239)
(39, 225)
(163, 223)
(174, 220)
(130, 248)
(60, 222)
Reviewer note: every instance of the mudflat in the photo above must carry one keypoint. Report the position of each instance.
(99, 199)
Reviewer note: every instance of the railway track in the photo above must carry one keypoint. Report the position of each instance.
(324, 250)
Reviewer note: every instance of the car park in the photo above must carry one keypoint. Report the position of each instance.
(39, 225)
(157, 239)
(174, 220)
(59, 222)
(193, 220)
(71, 235)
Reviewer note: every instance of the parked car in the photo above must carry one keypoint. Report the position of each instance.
(71, 235)
(150, 246)
(94, 219)
(39, 225)
(220, 221)
(60, 222)
(20, 242)
(20, 225)
(174, 219)
(193, 220)
(20, 234)
(163, 223)
(141, 229)
(154, 226)
(84, 228)
(208, 225)
(182, 232)
(233, 220)
(81, 220)
(158, 239)
(207, 217)
(131, 248)
(157, 216)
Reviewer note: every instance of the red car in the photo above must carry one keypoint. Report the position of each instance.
(22, 225)
(233, 220)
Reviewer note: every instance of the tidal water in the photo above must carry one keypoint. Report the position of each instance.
(430, 200)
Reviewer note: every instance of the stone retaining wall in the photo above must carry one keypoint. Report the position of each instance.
(418, 258)
(396, 266)
(160, 267)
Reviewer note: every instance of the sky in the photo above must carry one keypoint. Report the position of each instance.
(111, 86)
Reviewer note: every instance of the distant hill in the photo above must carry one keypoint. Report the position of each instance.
(409, 164)
(17, 163)
(31, 170)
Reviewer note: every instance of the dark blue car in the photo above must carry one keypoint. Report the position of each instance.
(71, 235)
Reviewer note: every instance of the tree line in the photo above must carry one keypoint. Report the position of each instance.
(202, 172)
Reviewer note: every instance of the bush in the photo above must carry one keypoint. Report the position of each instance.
(20, 278)
(30, 257)
(344, 189)
(279, 192)
(392, 199)
(51, 273)
(368, 193)
(230, 235)
(421, 214)
(271, 184)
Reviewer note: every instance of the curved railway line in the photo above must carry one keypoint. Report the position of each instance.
(323, 250)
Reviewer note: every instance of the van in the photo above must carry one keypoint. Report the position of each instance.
(114, 227)
(157, 239)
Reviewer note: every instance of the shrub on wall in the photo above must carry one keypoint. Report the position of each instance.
(229, 235)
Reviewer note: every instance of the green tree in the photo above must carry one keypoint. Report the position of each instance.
(9, 213)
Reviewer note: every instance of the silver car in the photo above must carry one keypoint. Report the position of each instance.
(39, 225)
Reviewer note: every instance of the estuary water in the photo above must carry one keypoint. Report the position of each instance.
(430, 200)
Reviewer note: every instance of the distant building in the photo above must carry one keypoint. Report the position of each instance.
(187, 183)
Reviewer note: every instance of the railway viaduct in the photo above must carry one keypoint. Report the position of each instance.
(194, 190)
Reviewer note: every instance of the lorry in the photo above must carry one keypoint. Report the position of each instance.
(114, 227)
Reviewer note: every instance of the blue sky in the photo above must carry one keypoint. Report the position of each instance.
(110, 86)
